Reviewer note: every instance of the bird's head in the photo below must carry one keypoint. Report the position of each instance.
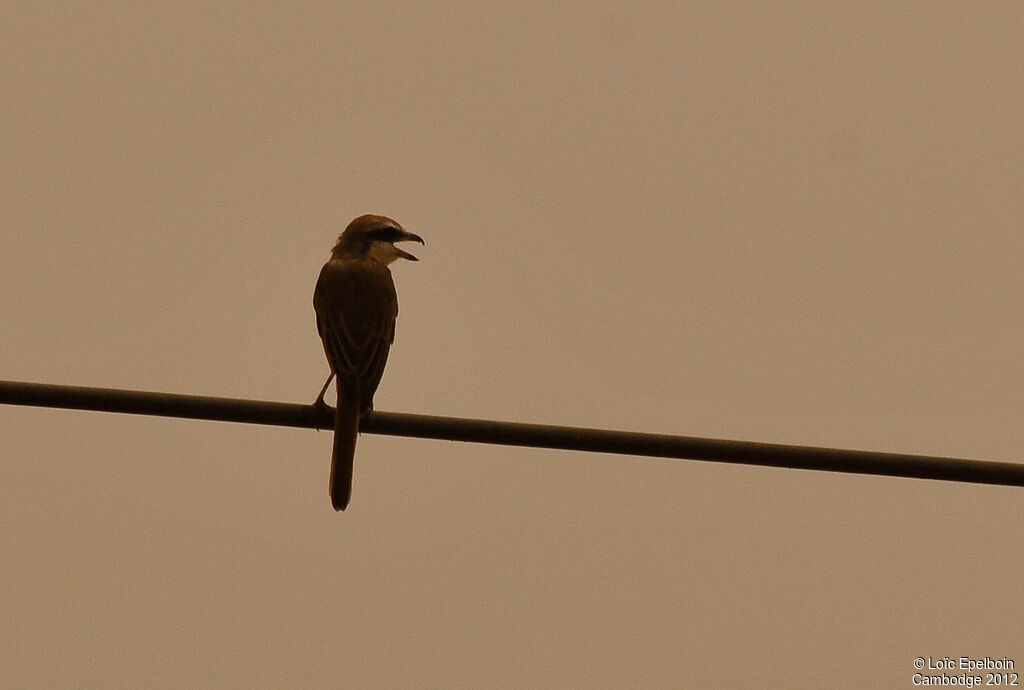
(374, 237)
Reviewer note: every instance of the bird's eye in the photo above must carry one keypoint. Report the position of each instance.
(387, 233)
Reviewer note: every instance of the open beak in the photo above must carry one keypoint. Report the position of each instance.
(408, 237)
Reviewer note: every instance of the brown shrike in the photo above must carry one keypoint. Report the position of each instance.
(356, 307)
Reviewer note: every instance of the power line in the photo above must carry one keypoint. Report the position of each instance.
(514, 434)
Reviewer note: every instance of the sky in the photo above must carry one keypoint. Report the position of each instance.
(785, 222)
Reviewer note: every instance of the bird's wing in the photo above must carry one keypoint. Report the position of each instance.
(356, 307)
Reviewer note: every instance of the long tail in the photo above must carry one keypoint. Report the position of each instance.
(346, 426)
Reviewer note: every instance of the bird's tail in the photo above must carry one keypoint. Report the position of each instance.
(346, 427)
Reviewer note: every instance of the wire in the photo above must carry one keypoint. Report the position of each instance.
(514, 434)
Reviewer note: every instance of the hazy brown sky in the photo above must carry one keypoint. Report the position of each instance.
(788, 222)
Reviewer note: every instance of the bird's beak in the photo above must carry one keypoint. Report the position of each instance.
(408, 237)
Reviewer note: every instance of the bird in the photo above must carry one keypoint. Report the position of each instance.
(356, 306)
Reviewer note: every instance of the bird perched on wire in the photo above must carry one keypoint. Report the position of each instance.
(356, 307)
